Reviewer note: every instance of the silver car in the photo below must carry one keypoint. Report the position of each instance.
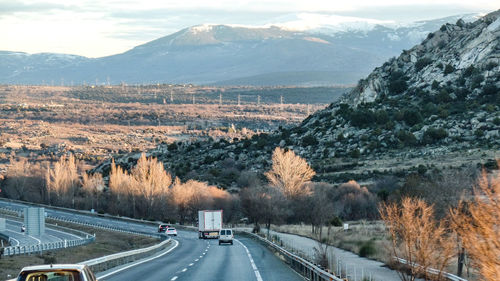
(226, 236)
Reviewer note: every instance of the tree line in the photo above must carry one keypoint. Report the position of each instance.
(149, 191)
(424, 238)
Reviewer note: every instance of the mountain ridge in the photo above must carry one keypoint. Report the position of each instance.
(438, 102)
(209, 54)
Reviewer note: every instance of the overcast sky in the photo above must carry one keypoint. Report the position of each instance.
(96, 28)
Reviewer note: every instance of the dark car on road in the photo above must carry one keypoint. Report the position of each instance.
(163, 227)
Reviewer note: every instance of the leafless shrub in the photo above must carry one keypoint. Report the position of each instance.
(355, 202)
(321, 255)
(417, 238)
(477, 224)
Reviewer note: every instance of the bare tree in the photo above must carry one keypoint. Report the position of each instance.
(17, 178)
(289, 173)
(263, 204)
(477, 223)
(93, 185)
(322, 208)
(63, 180)
(189, 197)
(151, 181)
(417, 238)
(120, 187)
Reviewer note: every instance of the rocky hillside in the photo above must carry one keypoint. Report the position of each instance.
(436, 105)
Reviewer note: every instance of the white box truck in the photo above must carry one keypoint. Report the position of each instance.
(209, 223)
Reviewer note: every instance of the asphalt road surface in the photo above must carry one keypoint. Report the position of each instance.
(18, 238)
(192, 259)
(195, 259)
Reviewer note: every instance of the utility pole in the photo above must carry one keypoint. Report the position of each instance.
(171, 97)
(194, 101)
(220, 99)
(238, 99)
(258, 100)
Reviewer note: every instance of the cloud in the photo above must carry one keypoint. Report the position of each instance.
(11, 7)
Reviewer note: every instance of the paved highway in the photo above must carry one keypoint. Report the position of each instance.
(196, 259)
(192, 259)
(18, 238)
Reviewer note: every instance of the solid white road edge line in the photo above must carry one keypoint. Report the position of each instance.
(39, 241)
(66, 233)
(14, 238)
(255, 270)
(141, 262)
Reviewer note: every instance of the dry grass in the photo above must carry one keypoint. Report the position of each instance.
(106, 243)
(40, 122)
(360, 233)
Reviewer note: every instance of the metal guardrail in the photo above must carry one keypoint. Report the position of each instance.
(110, 228)
(307, 268)
(434, 271)
(102, 263)
(300, 265)
(110, 261)
(39, 248)
(86, 238)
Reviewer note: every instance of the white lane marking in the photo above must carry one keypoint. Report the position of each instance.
(39, 241)
(191, 264)
(141, 262)
(184, 270)
(15, 232)
(196, 259)
(78, 237)
(174, 278)
(255, 270)
(201, 257)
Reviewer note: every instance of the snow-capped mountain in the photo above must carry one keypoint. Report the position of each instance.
(302, 49)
